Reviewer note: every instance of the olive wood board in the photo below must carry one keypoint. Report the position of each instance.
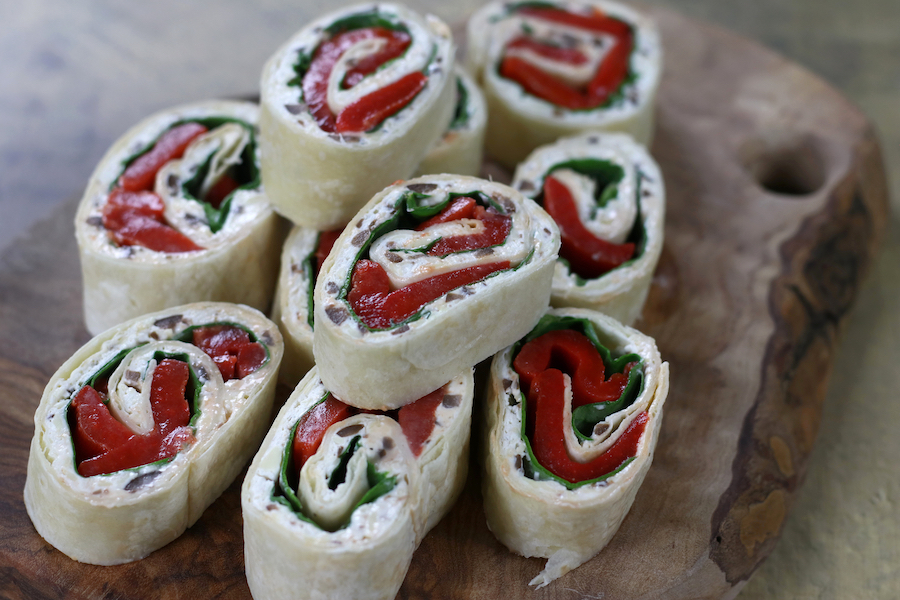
(776, 204)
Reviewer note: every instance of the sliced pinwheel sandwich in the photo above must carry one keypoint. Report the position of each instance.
(349, 104)
(301, 259)
(175, 213)
(432, 276)
(573, 412)
(557, 67)
(146, 425)
(606, 193)
(459, 151)
(337, 499)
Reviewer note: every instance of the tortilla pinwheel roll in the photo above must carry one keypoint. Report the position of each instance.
(337, 499)
(432, 276)
(459, 151)
(146, 425)
(573, 416)
(606, 193)
(556, 68)
(349, 104)
(175, 213)
(304, 252)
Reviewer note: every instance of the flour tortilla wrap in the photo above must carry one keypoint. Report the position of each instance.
(537, 515)
(519, 121)
(320, 178)
(632, 210)
(292, 307)
(388, 367)
(365, 549)
(240, 243)
(460, 149)
(127, 514)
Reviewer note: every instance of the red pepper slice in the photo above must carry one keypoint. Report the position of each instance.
(315, 81)
(141, 230)
(588, 255)
(136, 219)
(231, 349)
(396, 45)
(104, 445)
(137, 451)
(250, 357)
(461, 208)
(497, 227)
(548, 442)
(170, 407)
(312, 426)
(323, 249)
(373, 301)
(610, 73)
(372, 109)
(572, 353)
(417, 419)
(541, 84)
(220, 190)
(570, 56)
(141, 174)
(96, 429)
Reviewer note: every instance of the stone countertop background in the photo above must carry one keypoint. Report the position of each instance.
(76, 74)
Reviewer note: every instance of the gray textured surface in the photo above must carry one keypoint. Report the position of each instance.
(76, 74)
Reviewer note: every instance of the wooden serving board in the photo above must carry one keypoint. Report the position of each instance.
(776, 202)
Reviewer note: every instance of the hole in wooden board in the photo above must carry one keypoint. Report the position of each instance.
(785, 163)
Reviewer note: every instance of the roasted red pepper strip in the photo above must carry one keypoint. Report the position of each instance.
(220, 190)
(373, 301)
(496, 227)
(572, 353)
(170, 408)
(541, 84)
(96, 429)
(417, 419)
(460, 208)
(141, 174)
(136, 219)
(133, 214)
(548, 442)
(312, 426)
(315, 81)
(610, 73)
(588, 255)
(541, 364)
(372, 109)
(101, 444)
(323, 249)
(231, 349)
(570, 56)
(395, 45)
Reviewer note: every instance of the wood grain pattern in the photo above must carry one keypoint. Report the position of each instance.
(776, 201)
